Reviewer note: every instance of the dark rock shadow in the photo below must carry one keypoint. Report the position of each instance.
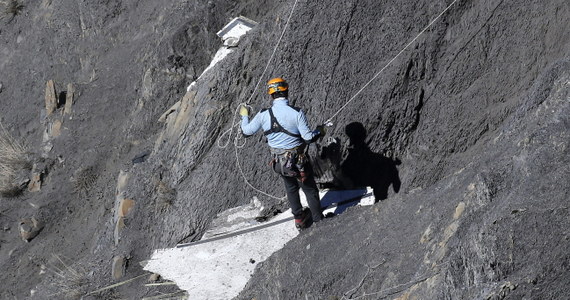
(362, 167)
(355, 166)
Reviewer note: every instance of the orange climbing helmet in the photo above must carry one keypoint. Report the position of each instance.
(277, 84)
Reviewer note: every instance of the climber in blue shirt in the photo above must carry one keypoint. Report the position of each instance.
(288, 134)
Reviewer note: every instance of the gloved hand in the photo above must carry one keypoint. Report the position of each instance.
(322, 130)
(243, 111)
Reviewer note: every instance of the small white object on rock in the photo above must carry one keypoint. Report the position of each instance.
(230, 34)
(153, 277)
(235, 29)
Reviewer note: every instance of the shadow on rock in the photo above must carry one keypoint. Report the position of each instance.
(361, 166)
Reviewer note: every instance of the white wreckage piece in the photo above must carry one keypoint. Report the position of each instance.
(230, 35)
(220, 265)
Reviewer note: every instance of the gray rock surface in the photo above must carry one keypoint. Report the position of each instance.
(496, 229)
(475, 113)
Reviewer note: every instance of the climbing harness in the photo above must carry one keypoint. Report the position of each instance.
(328, 121)
(276, 127)
(287, 162)
(290, 162)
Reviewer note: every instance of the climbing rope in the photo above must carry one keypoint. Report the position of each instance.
(385, 293)
(328, 121)
(247, 181)
(230, 130)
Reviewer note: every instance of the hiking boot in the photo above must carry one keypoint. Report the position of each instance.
(299, 224)
(304, 220)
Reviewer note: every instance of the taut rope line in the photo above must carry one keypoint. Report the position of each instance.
(229, 132)
(328, 121)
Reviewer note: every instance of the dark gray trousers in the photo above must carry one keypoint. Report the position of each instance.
(311, 191)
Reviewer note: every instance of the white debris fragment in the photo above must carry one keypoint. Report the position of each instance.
(220, 268)
(230, 34)
(235, 29)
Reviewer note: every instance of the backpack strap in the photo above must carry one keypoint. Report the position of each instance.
(276, 127)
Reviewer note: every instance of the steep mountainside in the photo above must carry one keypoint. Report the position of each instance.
(127, 62)
(474, 116)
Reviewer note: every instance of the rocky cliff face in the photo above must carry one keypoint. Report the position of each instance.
(475, 112)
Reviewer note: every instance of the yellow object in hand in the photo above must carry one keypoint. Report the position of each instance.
(243, 111)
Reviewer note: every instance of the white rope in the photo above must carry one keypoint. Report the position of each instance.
(249, 184)
(274, 51)
(351, 291)
(328, 121)
(393, 290)
(230, 130)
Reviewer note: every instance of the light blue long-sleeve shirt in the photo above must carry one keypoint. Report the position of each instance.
(289, 118)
